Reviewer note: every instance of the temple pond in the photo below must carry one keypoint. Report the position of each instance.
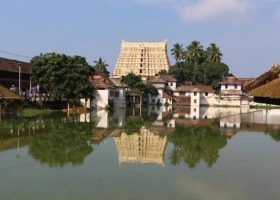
(155, 153)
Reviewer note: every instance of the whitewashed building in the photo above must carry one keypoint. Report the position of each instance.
(194, 95)
(108, 91)
(165, 85)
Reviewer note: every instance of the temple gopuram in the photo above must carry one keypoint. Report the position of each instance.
(142, 58)
(145, 147)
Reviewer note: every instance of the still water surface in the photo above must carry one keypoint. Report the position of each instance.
(159, 153)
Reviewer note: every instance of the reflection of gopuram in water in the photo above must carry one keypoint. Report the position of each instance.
(145, 147)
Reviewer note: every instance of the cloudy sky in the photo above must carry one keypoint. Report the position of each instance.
(247, 31)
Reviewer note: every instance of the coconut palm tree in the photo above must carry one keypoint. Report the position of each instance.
(101, 66)
(195, 53)
(178, 52)
(214, 54)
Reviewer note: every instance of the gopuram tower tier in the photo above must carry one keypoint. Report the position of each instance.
(142, 58)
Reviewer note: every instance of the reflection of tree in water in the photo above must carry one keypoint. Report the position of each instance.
(58, 148)
(133, 125)
(274, 134)
(192, 144)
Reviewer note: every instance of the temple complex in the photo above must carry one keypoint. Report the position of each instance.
(142, 58)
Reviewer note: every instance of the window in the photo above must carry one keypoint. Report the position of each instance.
(153, 100)
(206, 94)
(111, 93)
(235, 86)
(226, 86)
(194, 101)
(141, 71)
(117, 94)
(182, 93)
(171, 84)
(195, 93)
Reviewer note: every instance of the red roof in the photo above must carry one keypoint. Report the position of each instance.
(9, 65)
(200, 88)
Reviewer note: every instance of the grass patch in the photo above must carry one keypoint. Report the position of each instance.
(33, 112)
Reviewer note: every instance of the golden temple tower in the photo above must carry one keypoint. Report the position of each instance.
(142, 58)
(145, 147)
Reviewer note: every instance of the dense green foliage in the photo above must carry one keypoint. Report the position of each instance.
(59, 148)
(135, 83)
(62, 76)
(199, 66)
(193, 144)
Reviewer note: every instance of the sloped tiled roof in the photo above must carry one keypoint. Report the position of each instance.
(101, 81)
(231, 79)
(263, 79)
(9, 65)
(118, 83)
(182, 100)
(201, 88)
(270, 90)
(245, 80)
(166, 96)
(162, 78)
(7, 94)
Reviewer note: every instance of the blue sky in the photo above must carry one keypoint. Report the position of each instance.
(247, 31)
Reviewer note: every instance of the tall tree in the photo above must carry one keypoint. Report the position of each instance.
(214, 54)
(195, 53)
(178, 52)
(101, 66)
(64, 77)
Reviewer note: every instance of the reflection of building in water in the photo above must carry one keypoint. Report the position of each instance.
(231, 122)
(105, 120)
(145, 147)
(263, 117)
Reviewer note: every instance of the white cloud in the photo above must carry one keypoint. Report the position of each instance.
(205, 9)
(201, 10)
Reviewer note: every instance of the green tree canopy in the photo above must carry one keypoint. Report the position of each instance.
(135, 83)
(199, 66)
(214, 54)
(64, 77)
(178, 52)
(193, 144)
(195, 53)
(59, 148)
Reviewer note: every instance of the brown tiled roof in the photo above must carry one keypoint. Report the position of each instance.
(157, 79)
(118, 83)
(182, 100)
(165, 95)
(7, 94)
(201, 88)
(162, 78)
(9, 65)
(263, 79)
(231, 79)
(167, 77)
(101, 81)
(245, 80)
(270, 90)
